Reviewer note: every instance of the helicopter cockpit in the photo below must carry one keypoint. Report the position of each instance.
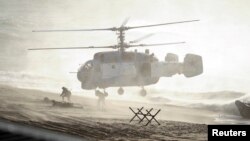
(84, 71)
(88, 65)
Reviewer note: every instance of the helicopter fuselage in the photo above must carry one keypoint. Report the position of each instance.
(116, 69)
(121, 69)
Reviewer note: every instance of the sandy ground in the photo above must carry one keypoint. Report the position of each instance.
(177, 123)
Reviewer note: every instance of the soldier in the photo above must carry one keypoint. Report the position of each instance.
(101, 98)
(65, 93)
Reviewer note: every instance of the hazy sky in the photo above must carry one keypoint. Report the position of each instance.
(221, 37)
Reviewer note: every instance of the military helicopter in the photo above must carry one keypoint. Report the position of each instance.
(123, 68)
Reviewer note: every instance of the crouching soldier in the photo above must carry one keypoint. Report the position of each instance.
(65, 93)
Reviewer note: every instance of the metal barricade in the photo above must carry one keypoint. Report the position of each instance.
(147, 114)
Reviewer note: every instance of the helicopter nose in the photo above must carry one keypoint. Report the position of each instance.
(84, 76)
(81, 76)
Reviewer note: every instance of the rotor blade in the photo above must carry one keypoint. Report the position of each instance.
(98, 29)
(161, 24)
(125, 22)
(161, 44)
(142, 38)
(91, 47)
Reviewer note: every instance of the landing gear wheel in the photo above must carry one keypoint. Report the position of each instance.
(120, 91)
(143, 92)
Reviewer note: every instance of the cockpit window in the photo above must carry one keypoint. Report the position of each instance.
(88, 65)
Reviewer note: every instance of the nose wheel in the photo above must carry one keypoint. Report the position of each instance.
(120, 91)
(143, 92)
